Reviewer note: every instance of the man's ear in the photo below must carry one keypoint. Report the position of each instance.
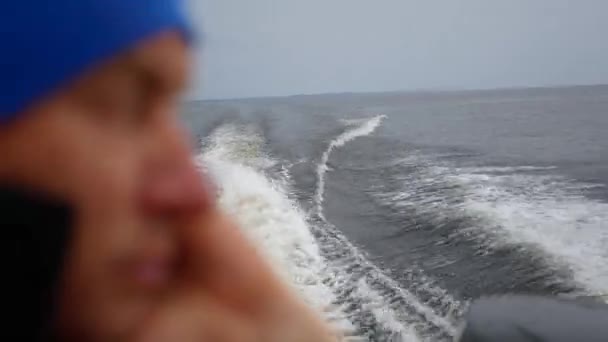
(35, 230)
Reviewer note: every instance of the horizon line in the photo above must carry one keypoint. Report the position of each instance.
(403, 91)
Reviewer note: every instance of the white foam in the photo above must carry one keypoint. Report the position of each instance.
(509, 169)
(384, 315)
(352, 122)
(547, 214)
(542, 212)
(271, 220)
(394, 318)
(364, 128)
(279, 228)
(241, 144)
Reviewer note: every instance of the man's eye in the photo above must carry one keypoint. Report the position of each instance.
(137, 108)
(128, 108)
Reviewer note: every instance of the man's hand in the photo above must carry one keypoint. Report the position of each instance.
(226, 292)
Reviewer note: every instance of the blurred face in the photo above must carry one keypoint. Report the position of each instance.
(151, 257)
(110, 144)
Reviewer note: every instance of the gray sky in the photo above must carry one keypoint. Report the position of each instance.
(284, 47)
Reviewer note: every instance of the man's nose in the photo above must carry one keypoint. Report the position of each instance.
(172, 183)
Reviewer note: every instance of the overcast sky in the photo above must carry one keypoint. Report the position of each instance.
(283, 47)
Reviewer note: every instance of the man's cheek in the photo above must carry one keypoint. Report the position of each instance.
(112, 228)
(106, 222)
(101, 291)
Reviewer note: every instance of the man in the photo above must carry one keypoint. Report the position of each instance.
(110, 232)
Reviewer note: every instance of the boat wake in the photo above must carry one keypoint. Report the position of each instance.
(530, 212)
(361, 128)
(330, 273)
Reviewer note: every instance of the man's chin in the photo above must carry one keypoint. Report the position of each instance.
(110, 320)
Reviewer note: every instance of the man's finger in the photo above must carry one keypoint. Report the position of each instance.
(221, 259)
(192, 317)
(225, 265)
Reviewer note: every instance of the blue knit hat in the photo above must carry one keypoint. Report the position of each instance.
(45, 44)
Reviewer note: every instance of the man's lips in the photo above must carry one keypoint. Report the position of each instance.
(153, 273)
(154, 266)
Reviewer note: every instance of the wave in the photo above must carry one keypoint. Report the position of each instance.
(531, 210)
(352, 122)
(241, 144)
(364, 128)
(377, 303)
(547, 214)
(509, 169)
(358, 298)
(330, 273)
(271, 220)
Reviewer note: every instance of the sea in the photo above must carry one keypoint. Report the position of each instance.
(391, 212)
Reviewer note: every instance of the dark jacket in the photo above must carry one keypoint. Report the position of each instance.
(35, 233)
